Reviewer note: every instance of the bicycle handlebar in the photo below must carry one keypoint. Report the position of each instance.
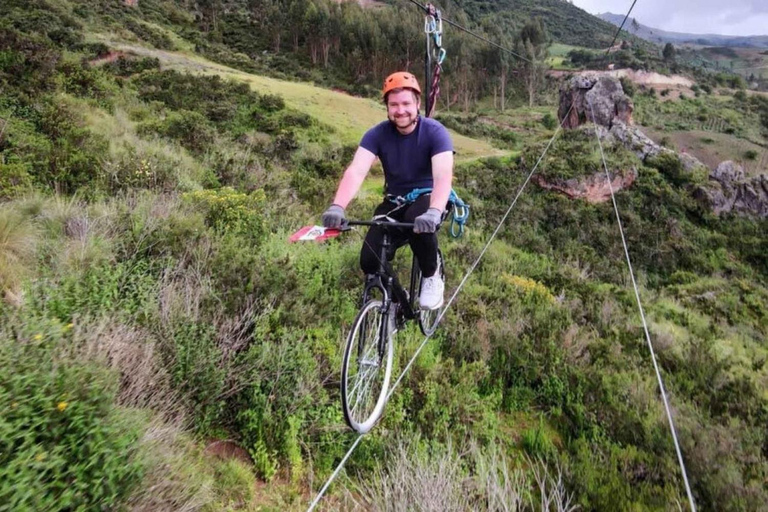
(380, 223)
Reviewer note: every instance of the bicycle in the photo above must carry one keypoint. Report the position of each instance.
(369, 353)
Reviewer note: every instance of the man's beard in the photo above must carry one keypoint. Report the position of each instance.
(403, 121)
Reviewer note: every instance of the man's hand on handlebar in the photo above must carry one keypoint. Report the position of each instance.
(334, 217)
(428, 221)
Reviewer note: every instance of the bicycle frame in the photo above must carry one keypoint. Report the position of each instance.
(385, 278)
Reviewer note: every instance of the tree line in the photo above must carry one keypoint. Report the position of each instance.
(359, 46)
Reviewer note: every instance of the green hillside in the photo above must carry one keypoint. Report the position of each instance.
(163, 347)
(565, 22)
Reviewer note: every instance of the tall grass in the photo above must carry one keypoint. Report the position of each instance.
(18, 240)
(430, 478)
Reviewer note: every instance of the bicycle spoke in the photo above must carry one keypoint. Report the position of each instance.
(367, 367)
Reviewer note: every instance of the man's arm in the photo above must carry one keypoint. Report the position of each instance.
(354, 176)
(442, 176)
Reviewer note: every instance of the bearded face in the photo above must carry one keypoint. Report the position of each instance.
(403, 109)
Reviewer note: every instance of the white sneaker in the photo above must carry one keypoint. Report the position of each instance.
(431, 296)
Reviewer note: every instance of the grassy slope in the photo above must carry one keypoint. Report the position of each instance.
(349, 114)
(489, 304)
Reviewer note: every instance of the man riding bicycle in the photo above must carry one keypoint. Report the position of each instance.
(417, 156)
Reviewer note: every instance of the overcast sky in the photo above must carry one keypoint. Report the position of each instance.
(732, 17)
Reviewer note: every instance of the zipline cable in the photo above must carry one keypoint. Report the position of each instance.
(425, 9)
(445, 309)
(645, 324)
(620, 27)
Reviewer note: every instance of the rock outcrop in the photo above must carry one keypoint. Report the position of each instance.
(593, 98)
(601, 99)
(612, 109)
(729, 191)
(594, 188)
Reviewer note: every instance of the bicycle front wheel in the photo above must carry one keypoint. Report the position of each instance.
(367, 368)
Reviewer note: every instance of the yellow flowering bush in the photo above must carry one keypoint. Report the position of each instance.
(528, 287)
(64, 445)
(228, 210)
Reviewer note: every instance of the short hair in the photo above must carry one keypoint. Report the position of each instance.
(416, 95)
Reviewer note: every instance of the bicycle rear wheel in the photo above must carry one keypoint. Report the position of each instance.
(428, 317)
(367, 368)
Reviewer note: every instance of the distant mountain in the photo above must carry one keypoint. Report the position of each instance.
(565, 22)
(656, 35)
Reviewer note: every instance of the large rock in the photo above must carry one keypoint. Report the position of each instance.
(595, 188)
(635, 140)
(593, 98)
(729, 191)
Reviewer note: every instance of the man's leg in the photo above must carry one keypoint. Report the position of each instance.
(423, 245)
(371, 250)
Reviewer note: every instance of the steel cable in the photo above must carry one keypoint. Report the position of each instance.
(645, 324)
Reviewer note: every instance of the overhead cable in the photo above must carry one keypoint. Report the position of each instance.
(620, 27)
(645, 324)
(473, 34)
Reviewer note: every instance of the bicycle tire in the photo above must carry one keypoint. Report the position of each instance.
(364, 389)
(428, 317)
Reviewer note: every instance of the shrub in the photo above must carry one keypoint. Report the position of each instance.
(750, 154)
(670, 166)
(271, 103)
(628, 85)
(127, 66)
(27, 63)
(85, 81)
(147, 33)
(63, 444)
(191, 129)
(216, 99)
(549, 121)
(14, 178)
(229, 211)
(73, 159)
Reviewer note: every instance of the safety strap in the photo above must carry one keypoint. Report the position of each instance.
(460, 208)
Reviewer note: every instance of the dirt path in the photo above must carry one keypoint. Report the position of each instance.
(649, 78)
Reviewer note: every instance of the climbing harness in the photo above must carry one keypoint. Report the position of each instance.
(433, 27)
(460, 208)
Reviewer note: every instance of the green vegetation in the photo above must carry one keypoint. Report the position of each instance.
(151, 304)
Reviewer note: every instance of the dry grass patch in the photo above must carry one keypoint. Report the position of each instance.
(18, 240)
(414, 478)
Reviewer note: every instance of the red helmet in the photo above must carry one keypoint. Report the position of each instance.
(400, 80)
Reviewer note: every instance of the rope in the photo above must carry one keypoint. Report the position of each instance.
(433, 25)
(645, 325)
(434, 91)
(442, 313)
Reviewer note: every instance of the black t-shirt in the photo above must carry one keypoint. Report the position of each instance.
(407, 159)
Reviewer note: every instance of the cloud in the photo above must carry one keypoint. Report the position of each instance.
(734, 17)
